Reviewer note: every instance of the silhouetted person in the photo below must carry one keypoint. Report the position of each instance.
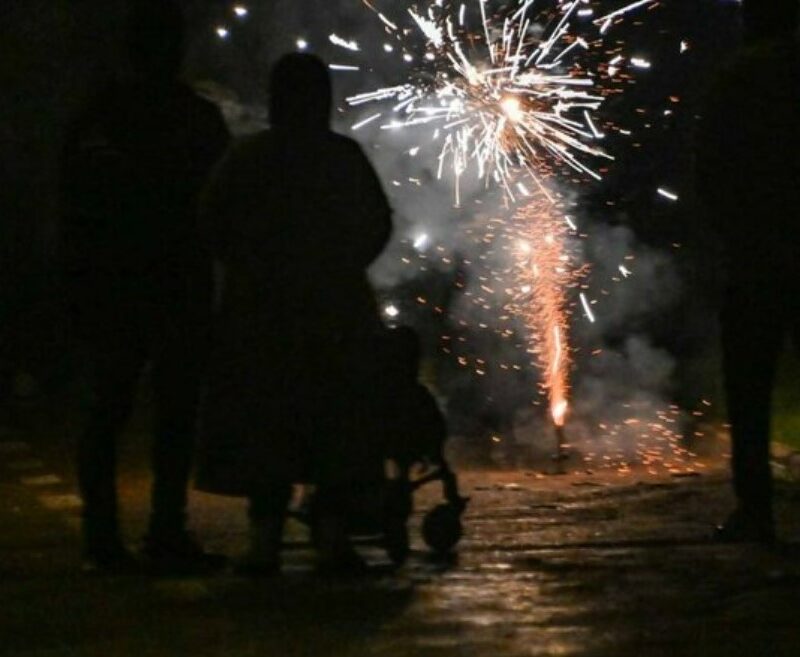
(749, 177)
(296, 214)
(140, 278)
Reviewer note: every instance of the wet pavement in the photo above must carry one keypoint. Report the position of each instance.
(606, 563)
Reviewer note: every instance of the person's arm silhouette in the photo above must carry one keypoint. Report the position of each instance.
(374, 209)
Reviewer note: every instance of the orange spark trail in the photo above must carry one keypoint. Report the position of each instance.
(545, 274)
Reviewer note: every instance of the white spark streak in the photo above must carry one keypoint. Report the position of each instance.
(367, 121)
(672, 196)
(606, 20)
(344, 43)
(432, 32)
(587, 308)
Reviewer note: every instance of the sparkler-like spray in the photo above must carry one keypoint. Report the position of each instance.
(546, 272)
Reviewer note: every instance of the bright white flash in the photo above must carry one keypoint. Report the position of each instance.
(421, 241)
(513, 109)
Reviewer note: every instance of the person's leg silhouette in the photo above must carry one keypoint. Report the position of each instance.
(753, 328)
(116, 371)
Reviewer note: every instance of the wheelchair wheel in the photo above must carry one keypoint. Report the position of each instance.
(441, 528)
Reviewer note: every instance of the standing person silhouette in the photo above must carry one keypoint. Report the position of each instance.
(296, 214)
(140, 280)
(748, 162)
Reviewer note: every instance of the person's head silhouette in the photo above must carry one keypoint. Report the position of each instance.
(155, 38)
(770, 18)
(300, 93)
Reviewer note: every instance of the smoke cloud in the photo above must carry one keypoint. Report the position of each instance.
(443, 259)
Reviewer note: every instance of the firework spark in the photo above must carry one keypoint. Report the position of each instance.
(514, 98)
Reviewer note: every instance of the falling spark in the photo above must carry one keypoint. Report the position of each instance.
(607, 20)
(587, 308)
(672, 196)
(367, 121)
(343, 43)
(241, 11)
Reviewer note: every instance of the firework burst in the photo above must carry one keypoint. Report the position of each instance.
(514, 99)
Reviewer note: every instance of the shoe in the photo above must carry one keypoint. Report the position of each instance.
(110, 560)
(179, 553)
(746, 527)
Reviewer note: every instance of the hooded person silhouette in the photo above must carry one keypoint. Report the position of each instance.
(138, 278)
(751, 189)
(295, 215)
